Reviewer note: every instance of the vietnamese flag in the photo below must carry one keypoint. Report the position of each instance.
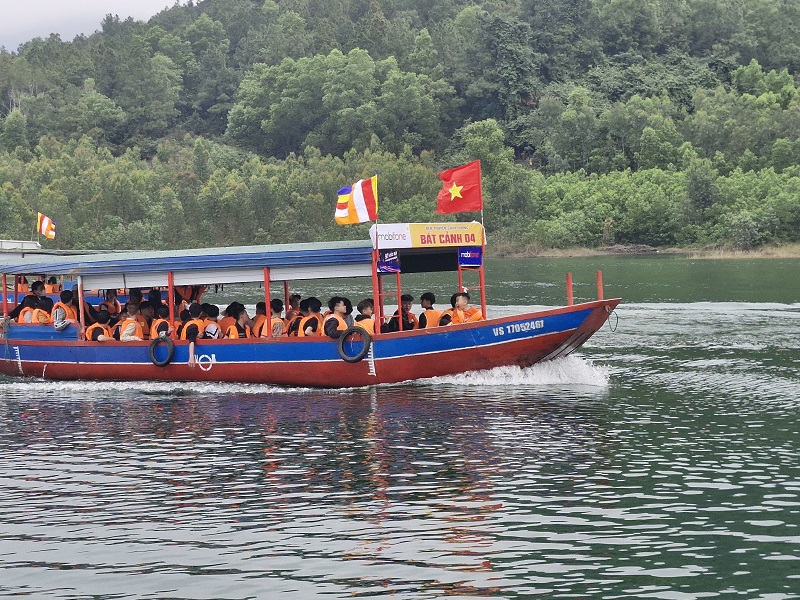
(461, 189)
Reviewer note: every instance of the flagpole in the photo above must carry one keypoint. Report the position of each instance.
(376, 282)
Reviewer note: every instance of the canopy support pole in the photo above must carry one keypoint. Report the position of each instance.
(377, 293)
(5, 296)
(286, 295)
(81, 310)
(266, 292)
(399, 305)
(171, 300)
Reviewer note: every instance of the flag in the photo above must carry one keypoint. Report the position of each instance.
(358, 203)
(46, 226)
(461, 189)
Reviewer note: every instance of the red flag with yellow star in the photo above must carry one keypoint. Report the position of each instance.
(461, 189)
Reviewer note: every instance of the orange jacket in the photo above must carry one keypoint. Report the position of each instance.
(106, 331)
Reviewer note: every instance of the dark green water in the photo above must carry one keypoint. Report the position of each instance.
(662, 461)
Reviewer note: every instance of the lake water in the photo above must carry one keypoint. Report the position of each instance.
(661, 461)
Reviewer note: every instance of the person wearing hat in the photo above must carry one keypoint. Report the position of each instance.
(409, 319)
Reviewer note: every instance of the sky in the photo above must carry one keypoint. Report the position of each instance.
(23, 20)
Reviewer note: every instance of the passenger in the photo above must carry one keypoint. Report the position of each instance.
(111, 305)
(42, 313)
(130, 328)
(64, 311)
(312, 324)
(334, 324)
(160, 327)
(259, 319)
(22, 284)
(348, 313)
(211, 331)
(228, 320)
(195, 327)
(240, 328)
(146, 316)
(29, 305)
(183, 319)
(100, 331)
(365, 318)
(293, 324)
(463, 312)
(155, 298)
(409, 319)
(294, 307)
(135, 296)
(37, 289)
(447, 315)
(276, 323)
(430, 317)
(89, 311)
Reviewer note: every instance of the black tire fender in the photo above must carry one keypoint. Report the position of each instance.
(151, 351)
(348, 333)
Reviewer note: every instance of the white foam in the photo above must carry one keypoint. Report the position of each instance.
(571, 370)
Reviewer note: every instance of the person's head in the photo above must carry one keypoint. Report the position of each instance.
(147, 309)
(162, 312)
(261, 308)
(231, 308)
(103, 317)
(294, 301)
(212, 311)
(111, 294)
(348, 306)
(195, 310)
(132, 308)
(337, 305)
(135, 295)
(37, 288)
(427, 300)
(30, 302)
(366, 307)
(406, 301)
(462, 300)
(276, 306)
(184, 316)
(154, 297)
(52, 281)
(237, 311)
(303, 306)
(314, 305)
(45, 304)
(66, 297)
(453, 300)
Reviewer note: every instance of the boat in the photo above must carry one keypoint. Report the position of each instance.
(354, 360)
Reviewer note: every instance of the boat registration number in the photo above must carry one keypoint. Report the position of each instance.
(518, 327)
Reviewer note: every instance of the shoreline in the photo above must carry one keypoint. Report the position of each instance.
(787, 251)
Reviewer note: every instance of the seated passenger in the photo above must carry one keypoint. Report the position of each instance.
(42, 313)
(293, 309)
(195, 326)
(348, 313)
(240, 329)
(430, 317)
(29, 305)
(293, 324)
(52, 286)
(211, 331)
(225, 322)
(447, 315)
(276, 324)
(259, 319)
(183, 319)
(160, 327)
(409, 319)
(147, 314)
(37, 290)
(155, 298)
(365, 318)
(89, 311)
(312, 324)
(64, 311)
(100, 331)
(463, 312)
(130, 327)
(334, 324)
(111, 305)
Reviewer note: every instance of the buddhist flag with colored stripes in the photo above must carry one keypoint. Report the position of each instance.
(46, 226)
(358, 203)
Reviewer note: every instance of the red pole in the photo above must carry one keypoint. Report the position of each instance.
(600, 285)
(286, 295)
(570, 300)
(5, 297)
(266, 290)
(171, 300)
(399, 306)
(81, 309)
(377, 300)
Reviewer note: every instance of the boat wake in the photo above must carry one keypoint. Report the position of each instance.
(571, 370)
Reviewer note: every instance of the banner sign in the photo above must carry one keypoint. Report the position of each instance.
(389, 261)
(426, 235)
(471, 256)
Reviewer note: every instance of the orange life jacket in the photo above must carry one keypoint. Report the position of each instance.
(112, 306)
(25, 311)
(449, 312)
(41, 317)
(470, 315)
(297, 317)
(106, 331)
(367, 325)
(154, 327)
(258, 322)
(432, 317)
(291, 314)
(52, 288)
(233, 332)
(123, 325)
(301, 332)
(267, 330)
(341, 324)
(71, 314)
(224, 323)
(201, 327)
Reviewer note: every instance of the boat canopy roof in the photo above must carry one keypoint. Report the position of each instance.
(320, 260)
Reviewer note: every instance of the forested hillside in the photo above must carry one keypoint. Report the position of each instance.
(662, 122)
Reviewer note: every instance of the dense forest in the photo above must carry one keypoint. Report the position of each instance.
(220, 122)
